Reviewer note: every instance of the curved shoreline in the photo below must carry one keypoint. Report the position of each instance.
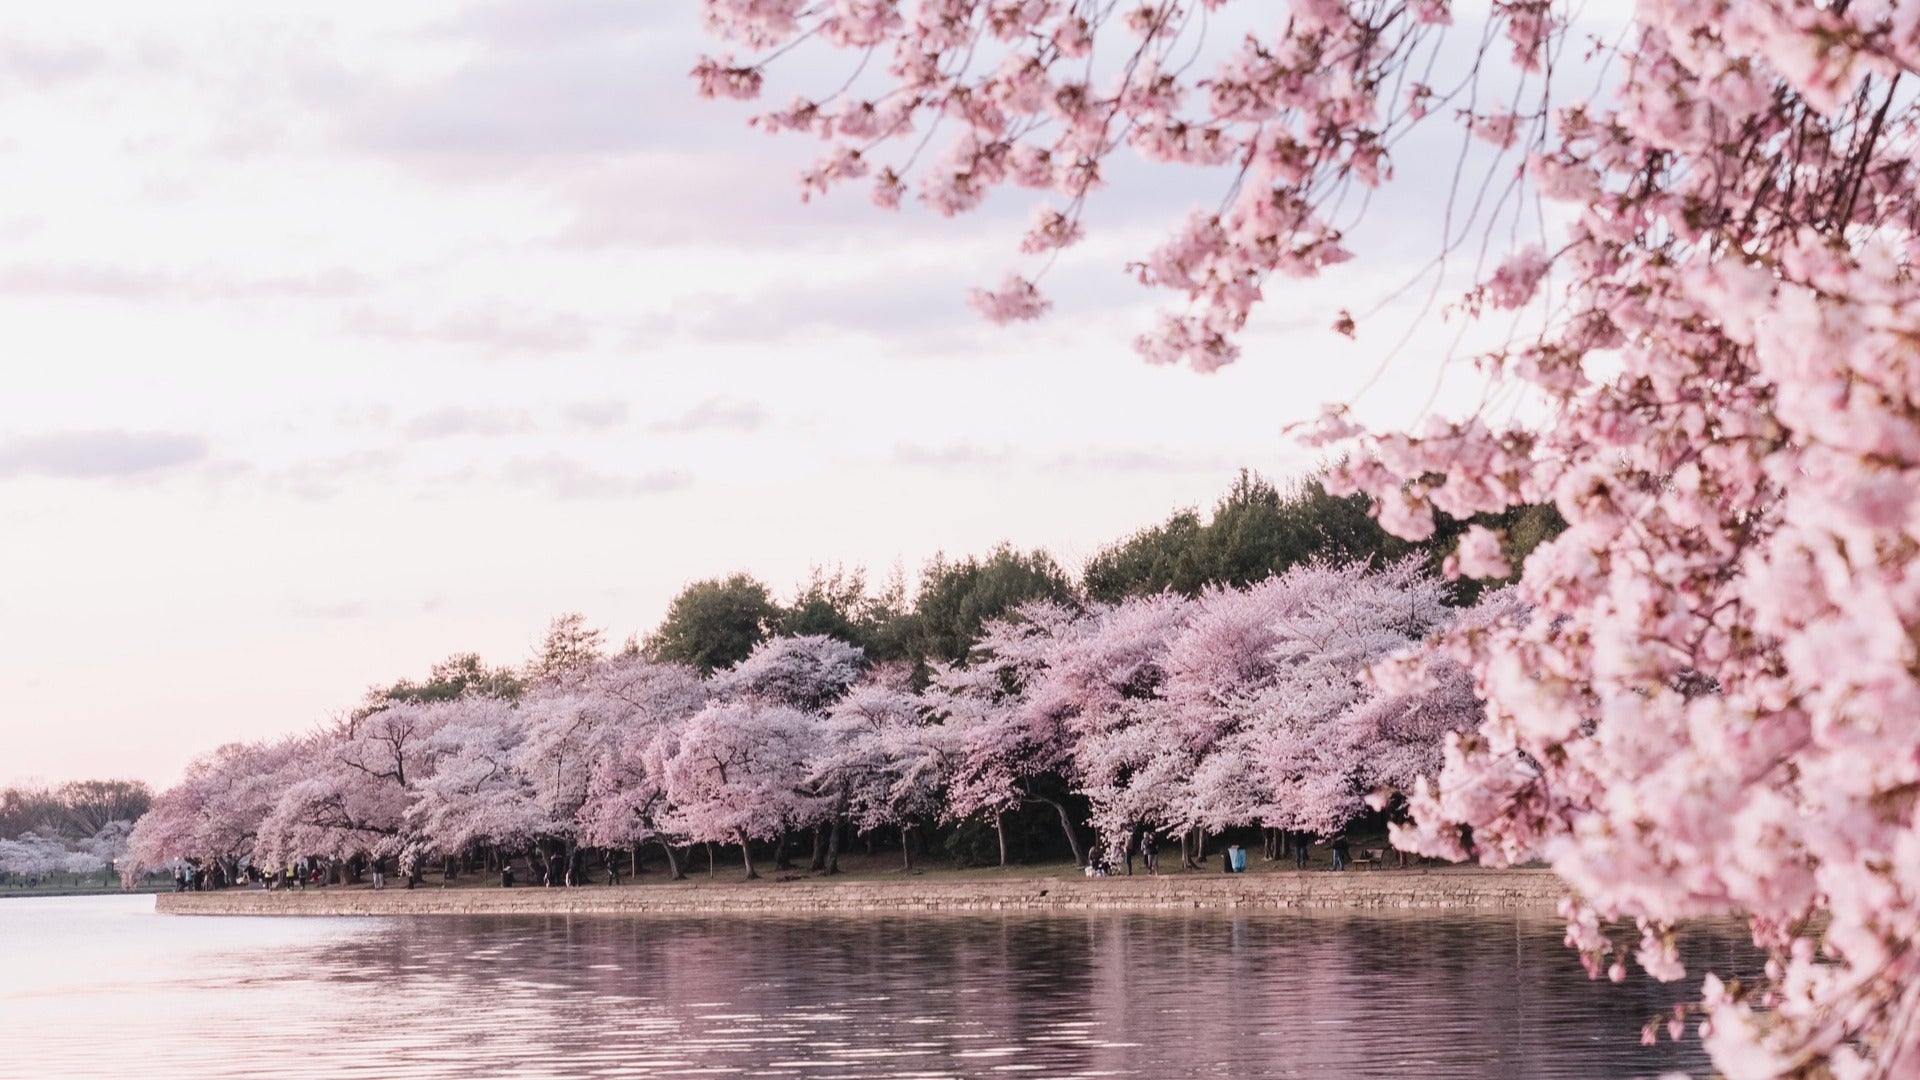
(1453, 890)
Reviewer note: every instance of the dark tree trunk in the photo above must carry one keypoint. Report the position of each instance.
(819, 860)
(1000, 834)
(1066, 826)
(637, 868)
(709, 858)
(673, 864)
(833, 846)
(906, 846)
(746, 856)
(780, 860)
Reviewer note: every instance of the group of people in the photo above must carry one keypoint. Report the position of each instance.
(557, 870)
(189, 877)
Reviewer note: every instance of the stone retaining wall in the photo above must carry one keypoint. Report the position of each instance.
(1507, 890)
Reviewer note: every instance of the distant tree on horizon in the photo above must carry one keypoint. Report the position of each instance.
(714, 623)
(958, 596)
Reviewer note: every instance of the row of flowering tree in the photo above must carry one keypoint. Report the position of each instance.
(1241, 707)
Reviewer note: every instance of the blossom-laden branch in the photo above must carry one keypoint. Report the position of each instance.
(1711, 708)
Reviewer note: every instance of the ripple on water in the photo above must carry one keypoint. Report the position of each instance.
(105, 988)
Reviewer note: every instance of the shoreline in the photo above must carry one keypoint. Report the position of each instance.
(1454, 890)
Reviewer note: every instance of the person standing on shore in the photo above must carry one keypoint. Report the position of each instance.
(379, 872)
(1300, 851)
(1149, 852)
(1341, 855)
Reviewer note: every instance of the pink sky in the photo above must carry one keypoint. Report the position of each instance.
(344, 337)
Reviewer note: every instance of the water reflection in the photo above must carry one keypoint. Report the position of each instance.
(105, 988)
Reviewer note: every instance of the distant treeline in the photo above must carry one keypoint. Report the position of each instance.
(75, 828)
(72, 811)
(1202, 676)
(1256, 530)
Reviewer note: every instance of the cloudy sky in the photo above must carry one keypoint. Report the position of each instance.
(341, 337)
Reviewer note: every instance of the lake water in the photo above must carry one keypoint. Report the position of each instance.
(103, 987)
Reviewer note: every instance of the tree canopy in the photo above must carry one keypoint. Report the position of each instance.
(715, 623)
(958, 596)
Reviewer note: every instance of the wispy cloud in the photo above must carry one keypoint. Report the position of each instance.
(567, 478)
(90, 454)
(714, 414)
(491, 330)
(326, 477)
(1100, 460)
(949, 456)
(594, 415)
(45, 66)
(125, 282)
(453, 422)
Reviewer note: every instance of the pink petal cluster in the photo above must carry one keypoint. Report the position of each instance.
(1245, 706)
(1016, 299)
(1710, 709)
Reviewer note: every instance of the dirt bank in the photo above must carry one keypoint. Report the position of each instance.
(1383, 889)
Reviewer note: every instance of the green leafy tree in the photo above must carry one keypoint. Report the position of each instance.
(570, 646)
(714, 624)
(1155, 559)
(458, 676)
(839, 604)
(1258, 530)
(957, 597)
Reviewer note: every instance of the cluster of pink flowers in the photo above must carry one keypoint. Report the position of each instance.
(613, 753)
(1243, 707)
(1024, 109)
(1711, 709)
(1246, 706)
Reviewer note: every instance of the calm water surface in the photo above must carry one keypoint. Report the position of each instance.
(104, 987)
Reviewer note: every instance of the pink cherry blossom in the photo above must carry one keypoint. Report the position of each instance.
(1707, 709)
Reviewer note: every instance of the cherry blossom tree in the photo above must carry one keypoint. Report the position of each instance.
(1102, 684)
(477, 794)
(1231, 690)
(1323, 647)
(567, 729)
(882, 763)
(213, 817)
(1707, 711)
(1423, 696)
(739, 774)
(33, 856)
(808, 672)
(354, 793)
(1009, 750)
(626, 796)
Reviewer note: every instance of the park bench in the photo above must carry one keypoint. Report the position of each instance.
(1372, 856)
